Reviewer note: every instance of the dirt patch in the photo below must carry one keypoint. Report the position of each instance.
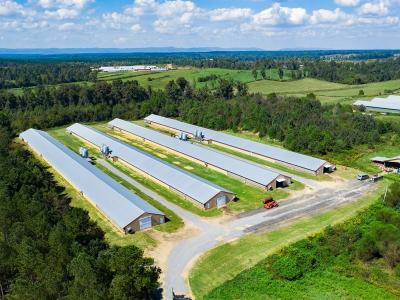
(177, 162)
(188, 167)
(161, 155)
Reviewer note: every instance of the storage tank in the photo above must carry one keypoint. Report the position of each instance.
(83, 152)
(105, 150)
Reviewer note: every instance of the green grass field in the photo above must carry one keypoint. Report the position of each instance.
(326, 92)
(225, 262)
(159, 80)
(249, 196)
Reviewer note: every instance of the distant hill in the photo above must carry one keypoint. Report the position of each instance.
(52, 51)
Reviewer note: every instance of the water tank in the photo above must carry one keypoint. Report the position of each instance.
(105, 150)
(83, 152)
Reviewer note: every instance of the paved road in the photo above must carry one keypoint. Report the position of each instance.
(213, 233)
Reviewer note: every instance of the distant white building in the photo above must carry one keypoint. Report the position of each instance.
(136, 68)
(390, 104)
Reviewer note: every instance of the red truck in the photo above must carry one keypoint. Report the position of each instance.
(269, 203)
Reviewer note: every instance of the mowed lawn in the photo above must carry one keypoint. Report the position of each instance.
(327, 92)
(217, 267)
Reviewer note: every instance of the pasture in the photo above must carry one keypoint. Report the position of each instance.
(159, 80)
(326, 92)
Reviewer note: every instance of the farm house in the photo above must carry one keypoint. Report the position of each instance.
(126, 211)
(288, 158)
(201, 192)
(228, 165)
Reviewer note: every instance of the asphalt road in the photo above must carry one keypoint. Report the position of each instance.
(214, 233)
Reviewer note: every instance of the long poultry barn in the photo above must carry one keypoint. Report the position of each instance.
(234, 167)
(288, 158)
(124, 210)
(201, 192)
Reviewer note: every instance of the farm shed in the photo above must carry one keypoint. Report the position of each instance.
(201, 192)
(387, 162)
(390, 104)
(126, 211)
(274, 154)
(237, 168)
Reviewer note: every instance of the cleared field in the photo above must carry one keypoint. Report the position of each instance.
(159, 80)
(327, 92)
(227, 261)
(249, 197)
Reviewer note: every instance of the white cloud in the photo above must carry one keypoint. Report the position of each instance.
(229, 14)
(278, 14)
(136, 28)
(8, 8)
(347, 2)
(78, 4)
(62, 13)
(327, 16)
(141, 6)
(69, 26)
(116, 20)
(380, 8)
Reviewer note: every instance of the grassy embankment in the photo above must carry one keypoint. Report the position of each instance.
(327, 92)
(224, 263)
(249, 197)
(141, 239)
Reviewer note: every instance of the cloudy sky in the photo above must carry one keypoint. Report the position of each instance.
(339, 24)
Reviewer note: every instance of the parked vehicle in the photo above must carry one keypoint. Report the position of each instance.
(269, 203)
(375, 178)
(362, 177)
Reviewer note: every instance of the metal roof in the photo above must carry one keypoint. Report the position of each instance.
(279, 154)
(379, 104)
(182, 181)
(233, 165)
(119, 204)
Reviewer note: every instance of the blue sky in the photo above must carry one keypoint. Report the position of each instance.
(339, 24)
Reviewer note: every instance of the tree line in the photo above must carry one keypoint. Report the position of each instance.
(15, 74)
(301, 124)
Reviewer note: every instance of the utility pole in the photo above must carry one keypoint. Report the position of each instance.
(384, 197)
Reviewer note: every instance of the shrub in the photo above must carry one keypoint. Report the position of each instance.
(286, 267)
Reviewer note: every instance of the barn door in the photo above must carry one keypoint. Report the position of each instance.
(145, 222)
(221, 201)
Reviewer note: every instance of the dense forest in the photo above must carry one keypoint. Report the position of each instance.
(359, 259)
(302, 125)
(15, 74)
